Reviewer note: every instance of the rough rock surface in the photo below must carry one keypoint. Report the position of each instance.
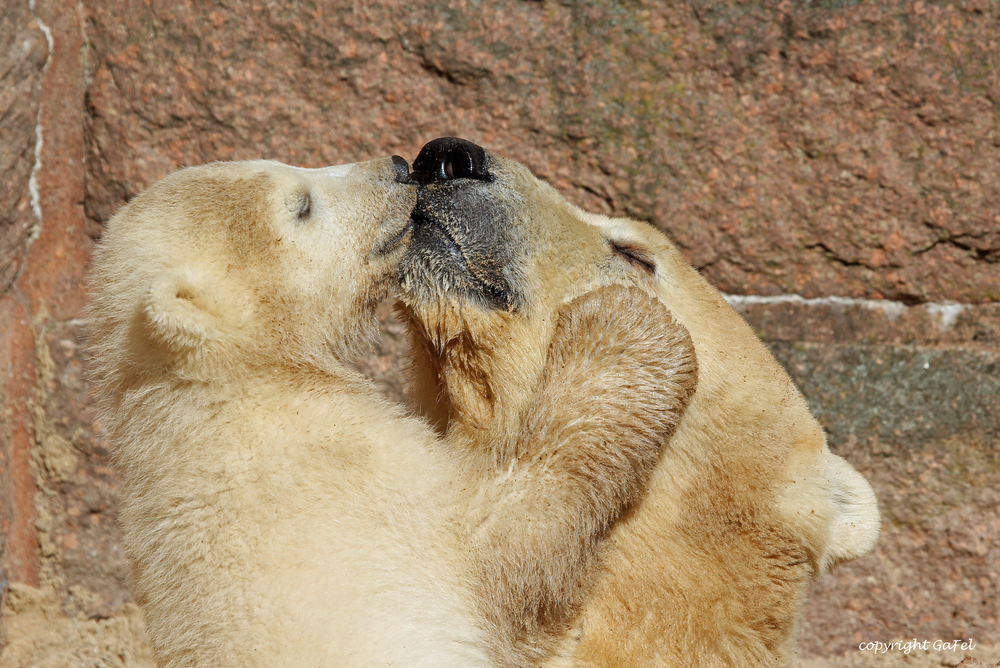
(24, 51)
(921, 420)
(972, 663)
(41, 636)
(23, 54)
(827, 148)
(811, 147)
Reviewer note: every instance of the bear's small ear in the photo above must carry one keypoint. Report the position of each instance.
(180, 312)
(833, 505)
(855, 523)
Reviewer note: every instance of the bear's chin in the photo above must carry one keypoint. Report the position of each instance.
(436, 270)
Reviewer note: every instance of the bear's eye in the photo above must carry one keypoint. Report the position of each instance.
(635, 255)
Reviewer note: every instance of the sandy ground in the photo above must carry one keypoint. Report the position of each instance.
(40, 636)
(986, 654)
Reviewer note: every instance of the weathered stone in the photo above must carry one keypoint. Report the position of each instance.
(384, 363)
(41, 637)
(50, 461)
(59, 254)
(16, 507)
(818, 148)
(936, 580)
(969, 662)
(18, 540)
(78, 529)
(898, 398)
(792, 319)
(923, 425)
(23, 52)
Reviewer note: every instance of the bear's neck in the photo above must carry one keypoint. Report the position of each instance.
(169, 418)
(469, 388)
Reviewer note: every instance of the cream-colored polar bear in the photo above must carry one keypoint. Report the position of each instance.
(275, 509)
(747, 505)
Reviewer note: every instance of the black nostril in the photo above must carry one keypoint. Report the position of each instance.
(450, 158)
(401, 169)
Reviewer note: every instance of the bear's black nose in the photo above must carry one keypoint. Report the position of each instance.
(450, 158)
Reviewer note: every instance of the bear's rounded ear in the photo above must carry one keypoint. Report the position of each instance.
(180, 311)
(832, 505)
(855, 523)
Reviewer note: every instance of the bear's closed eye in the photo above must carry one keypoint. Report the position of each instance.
(635, 255)
(305, 207)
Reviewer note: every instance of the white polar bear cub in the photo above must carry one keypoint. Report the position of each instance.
(234, 467)
(275, 509)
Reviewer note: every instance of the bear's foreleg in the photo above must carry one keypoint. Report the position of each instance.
(617, 379)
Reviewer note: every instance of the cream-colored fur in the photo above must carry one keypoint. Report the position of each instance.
(747, 504)
(277, 511)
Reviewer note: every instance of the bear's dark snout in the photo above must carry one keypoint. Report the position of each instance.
(450, 158)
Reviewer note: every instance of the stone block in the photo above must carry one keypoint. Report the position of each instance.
(818, 148)
(911, 397)
(23, 54)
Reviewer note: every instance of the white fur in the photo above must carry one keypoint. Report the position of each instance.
(275, 509)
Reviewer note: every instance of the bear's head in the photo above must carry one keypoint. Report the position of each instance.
(246, 264)
(495, 254)
(747, 503)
